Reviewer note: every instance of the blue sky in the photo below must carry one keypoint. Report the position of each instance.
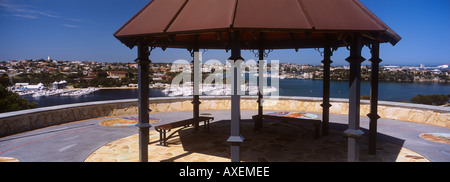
(83, 30)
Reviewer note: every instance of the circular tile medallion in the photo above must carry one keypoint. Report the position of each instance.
(125, 121)
(437, 137)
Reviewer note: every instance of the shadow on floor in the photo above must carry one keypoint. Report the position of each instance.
(281, 142)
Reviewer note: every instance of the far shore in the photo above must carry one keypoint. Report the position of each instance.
(115, 88)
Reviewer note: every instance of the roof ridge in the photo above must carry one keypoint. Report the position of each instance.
(176, 15)
(308, 17)
(234, 14)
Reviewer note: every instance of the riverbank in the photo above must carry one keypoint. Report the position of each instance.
(121, 88)
(115, 88)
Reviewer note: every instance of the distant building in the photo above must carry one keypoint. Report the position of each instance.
(445, 66)
(59, 85)
(117, 74)
(93, 74)
(88, 77)
(391, 68)
(27, 86)
(35, 87)
(20, 85)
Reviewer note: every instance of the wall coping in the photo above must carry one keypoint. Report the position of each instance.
(155, 99)
(65, 106)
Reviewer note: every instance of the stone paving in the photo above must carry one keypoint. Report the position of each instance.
(275, 142)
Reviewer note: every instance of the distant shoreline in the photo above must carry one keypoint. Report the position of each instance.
(116, 88)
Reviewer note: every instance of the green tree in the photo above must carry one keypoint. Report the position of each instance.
(10, 101)
(435, 99)
(4, 80)
(102, 74)
(365, 97)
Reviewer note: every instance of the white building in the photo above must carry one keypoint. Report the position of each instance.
(59, 85)
(35, 87)
(444, 66)
(27, 86)
(391, 68)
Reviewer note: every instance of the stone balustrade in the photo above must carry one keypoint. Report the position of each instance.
(26, 120)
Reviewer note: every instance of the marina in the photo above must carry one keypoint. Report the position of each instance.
(389, 91)
(214, 90)
(55, 92)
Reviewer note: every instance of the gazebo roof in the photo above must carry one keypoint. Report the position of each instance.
(271, 24)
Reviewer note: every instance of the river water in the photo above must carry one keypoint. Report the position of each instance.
(388, 91)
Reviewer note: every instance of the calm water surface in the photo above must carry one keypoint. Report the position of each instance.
(388, 91)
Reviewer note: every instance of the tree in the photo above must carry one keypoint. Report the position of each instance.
(10, 101)
(102, 74)
(4, 80)
(435, 99)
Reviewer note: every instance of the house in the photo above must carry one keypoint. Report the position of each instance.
(93, 74)
(88, 77)
(117, 74)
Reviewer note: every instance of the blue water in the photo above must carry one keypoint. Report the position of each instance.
(388, 91)
(100, 95)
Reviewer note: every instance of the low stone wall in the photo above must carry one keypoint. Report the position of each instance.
(26, 120)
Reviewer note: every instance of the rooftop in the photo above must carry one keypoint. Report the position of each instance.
(277, 24)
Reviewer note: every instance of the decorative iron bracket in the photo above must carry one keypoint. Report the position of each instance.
(322, 52)
(265, 54)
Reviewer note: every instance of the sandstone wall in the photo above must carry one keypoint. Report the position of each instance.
(20, 121)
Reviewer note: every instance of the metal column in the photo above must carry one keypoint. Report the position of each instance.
(196, 84)
(326, 91)
(143, 92)
(235, 139)
(373, 115)
(353, 132)
(260, 88)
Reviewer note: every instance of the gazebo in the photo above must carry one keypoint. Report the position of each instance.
(260, 25)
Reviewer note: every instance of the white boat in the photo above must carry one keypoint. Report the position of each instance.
(79, 92)
(37, 94)
(214, 89)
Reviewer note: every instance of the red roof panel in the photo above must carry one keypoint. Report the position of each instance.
(270, 14)
(287, 23)
(200, 15)
(339, 15)
(153, 18)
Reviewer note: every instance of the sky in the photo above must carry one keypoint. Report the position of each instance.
(82, 30)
